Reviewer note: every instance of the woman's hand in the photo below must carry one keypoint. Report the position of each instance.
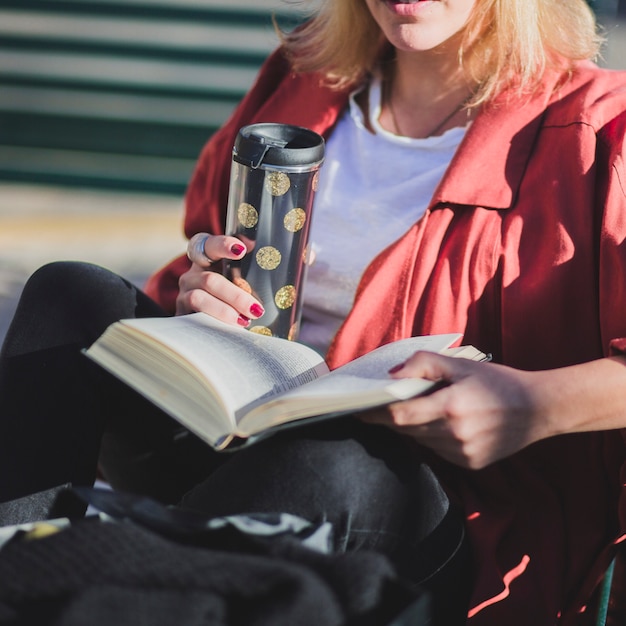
(209, 292)
(483, 412)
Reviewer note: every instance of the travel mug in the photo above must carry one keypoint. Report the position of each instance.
(274, 176)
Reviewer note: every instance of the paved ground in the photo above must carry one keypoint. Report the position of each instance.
(132, 234)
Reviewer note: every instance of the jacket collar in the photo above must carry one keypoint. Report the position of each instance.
(488, 166)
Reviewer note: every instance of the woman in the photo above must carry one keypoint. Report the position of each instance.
(519, 248)
(474, 184)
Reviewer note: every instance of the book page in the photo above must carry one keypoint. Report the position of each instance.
(362, 383)
(377, 363)
(181, 352)
(242, 365)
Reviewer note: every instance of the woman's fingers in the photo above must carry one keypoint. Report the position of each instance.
(214, 294)
(205, 249)
(208, 291)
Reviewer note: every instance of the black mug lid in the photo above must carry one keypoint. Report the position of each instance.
(278, 145)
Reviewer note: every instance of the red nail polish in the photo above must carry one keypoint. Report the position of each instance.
(257, 310)
(396, 368)
(242, 320)
(237, 248)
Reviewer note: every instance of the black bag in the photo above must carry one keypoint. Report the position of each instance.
(164, 566)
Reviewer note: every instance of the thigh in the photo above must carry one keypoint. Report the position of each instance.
(367, 480)
(371, 484)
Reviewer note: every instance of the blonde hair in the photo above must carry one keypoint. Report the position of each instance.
(506, 43)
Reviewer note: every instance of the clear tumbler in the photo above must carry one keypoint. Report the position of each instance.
(274, 176)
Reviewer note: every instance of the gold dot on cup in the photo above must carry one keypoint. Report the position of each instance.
(247, 215)
(307, 255)
(242, 283)
(261, 330)
(285, 297)
(294, 220)
(268, 258)
(293, 332)
(277, 183)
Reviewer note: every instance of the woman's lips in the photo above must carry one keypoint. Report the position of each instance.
(407, 7)
(405, 3)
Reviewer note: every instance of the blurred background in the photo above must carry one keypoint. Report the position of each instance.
(104, 107)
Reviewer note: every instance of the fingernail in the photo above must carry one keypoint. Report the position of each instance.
(237, 248)
(396, 368)
(257, 310)
(242, 320)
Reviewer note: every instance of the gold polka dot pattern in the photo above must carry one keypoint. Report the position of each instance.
(285, 297)
(294, 220)
(247, 215)
(268, 258)
(277, 183)
(261, 330)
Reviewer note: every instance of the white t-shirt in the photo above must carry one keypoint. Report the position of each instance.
(373, 187)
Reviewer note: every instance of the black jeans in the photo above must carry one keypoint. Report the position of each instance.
(60, 413)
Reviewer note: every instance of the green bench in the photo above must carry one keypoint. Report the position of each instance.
(122, 94)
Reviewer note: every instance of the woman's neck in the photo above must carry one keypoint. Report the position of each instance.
(424, 94)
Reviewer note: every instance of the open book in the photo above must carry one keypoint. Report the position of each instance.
(230, 386)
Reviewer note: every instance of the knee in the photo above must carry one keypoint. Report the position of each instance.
(67, 280)
(73, 301)
(372, 468)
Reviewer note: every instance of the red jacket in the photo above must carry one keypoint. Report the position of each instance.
(523, 250)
